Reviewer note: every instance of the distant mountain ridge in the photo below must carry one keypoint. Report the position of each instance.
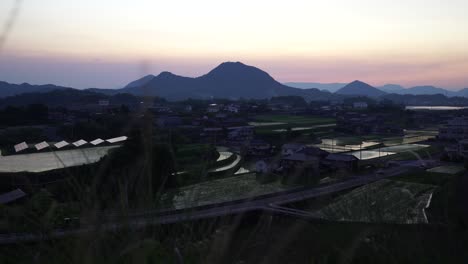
(9, 89)
(391, 88)
(388, 88)
(428, 90)
(330, 87)
(140, 82)
(235, 80)
(231, 80)
(360, 88)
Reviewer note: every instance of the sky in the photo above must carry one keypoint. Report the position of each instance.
(107, 44)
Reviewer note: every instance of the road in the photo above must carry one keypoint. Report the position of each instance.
(272, 203)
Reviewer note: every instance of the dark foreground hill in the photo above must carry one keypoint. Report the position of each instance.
(66, 98)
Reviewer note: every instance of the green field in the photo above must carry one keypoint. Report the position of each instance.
(201, 154)
(289, 119)
(433, 176)
(280, 123)
(448, 169)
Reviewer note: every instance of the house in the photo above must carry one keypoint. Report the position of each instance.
(214, 108)
(212, 134)
(169, 121)
(291, 148)
(298, 160)
(240, 134)
(360, 105)
(259, 147)
(188, 108)
(304, 166)
(234, 121)
(233, 108)
(103, 102)
(57, 116)
(160, 109)
(457, 151)
(385, 129)
(303, 157)
(342, 161)
(363, 124)
(267, 165)
(455, 129)
(263, 166)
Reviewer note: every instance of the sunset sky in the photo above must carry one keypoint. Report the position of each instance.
(107, 44)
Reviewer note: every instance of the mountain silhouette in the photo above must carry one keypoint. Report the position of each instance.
(392, 88)
(330, 87)
(140, 82)
(420, 90)
(9, 89)
(231, 80)
(360, 88)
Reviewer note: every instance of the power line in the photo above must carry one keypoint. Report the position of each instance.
(10, 22)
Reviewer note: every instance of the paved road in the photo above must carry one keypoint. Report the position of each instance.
(272, 203)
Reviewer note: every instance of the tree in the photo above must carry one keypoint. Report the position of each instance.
(136, 173)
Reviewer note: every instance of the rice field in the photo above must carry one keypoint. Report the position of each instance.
(450, 169)
(290, 119)
(220, 190)
(281, 123)
(228, 166)
(384, 201)
(305, 128)
(404, 147)
(263, 124)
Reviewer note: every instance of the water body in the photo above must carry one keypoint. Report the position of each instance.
(404, 148)
(370, 154)
(436, 108)
(227, 167)
(338, 146)
(44, 161)
(305, 128)
(224, 155)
